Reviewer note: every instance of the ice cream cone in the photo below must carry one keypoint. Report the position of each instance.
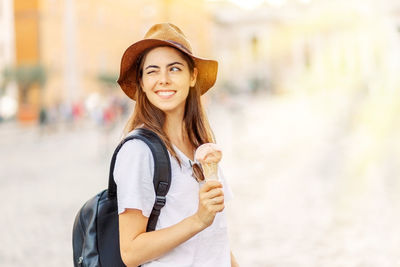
(208, 155)
(210, 171)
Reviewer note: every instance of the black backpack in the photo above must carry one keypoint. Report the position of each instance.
(95, 236)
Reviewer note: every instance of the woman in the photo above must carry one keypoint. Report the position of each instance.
(166, 80)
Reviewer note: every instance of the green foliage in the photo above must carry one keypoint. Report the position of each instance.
(108, 79)
(25, 76)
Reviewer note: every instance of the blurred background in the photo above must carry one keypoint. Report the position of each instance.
(306, 108)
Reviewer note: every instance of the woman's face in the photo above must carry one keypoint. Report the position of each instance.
(166, 79)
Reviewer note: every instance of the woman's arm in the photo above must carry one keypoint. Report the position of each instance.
(138, 246)
(234, 263)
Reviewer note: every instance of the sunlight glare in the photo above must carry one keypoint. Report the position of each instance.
(248, 4)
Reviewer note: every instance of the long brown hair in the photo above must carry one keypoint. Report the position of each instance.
(195, 120)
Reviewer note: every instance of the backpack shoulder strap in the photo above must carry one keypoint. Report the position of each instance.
(162, 171)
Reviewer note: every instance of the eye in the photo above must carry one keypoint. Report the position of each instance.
(150, 72)
(175, 69)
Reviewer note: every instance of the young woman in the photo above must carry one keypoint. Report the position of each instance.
(166, 81)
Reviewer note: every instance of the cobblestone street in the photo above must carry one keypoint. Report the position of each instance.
(303, 196)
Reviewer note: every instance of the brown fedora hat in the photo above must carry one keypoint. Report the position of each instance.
(164, 34)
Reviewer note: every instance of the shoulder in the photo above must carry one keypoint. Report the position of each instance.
(134, 154)
(134, 147)
(134, 160)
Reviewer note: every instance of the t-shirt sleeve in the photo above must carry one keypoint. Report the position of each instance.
(133, 174)
(228, 194)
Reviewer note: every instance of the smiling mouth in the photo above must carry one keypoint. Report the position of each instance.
(165, 93)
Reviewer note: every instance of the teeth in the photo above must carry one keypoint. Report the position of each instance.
(165, 93)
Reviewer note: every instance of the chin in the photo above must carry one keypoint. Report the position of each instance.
(170, 108)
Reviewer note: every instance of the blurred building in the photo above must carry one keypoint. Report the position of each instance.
(242, 38)
(28, 71)
(79, 44)
(72, 49)
(291, 45)
(7, 57)
(7, 33)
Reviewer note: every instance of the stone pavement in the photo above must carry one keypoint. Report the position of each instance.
(307, 192)
(298, 199)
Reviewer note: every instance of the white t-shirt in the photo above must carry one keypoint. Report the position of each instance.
(133, 175)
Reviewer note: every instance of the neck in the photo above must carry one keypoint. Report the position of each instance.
(174, 127)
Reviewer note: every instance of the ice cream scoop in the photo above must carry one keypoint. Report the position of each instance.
(208, 155)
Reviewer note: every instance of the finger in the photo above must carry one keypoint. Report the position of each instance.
(211, 203)
(217, 200)
(219, 208)
(209, 185)
(216, 192)
(206, 198)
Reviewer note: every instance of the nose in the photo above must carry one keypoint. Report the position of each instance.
(164, 78)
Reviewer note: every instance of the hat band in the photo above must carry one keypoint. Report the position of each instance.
(181, 46)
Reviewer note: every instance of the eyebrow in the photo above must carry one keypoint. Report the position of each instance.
(170, 64)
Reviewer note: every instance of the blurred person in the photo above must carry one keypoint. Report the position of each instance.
(43, 120)
(166, 80)
(53, 118)
(109, 117)
(65, 111)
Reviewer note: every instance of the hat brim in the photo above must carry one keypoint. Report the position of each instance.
(207, 69)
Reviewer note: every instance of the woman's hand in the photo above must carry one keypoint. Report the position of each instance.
(138, 246)
(211, 201)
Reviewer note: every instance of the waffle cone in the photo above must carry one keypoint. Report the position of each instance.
(210, 171)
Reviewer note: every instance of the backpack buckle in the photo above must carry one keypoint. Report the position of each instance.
(160, 201)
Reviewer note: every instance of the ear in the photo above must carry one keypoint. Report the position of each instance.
(193, 77)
